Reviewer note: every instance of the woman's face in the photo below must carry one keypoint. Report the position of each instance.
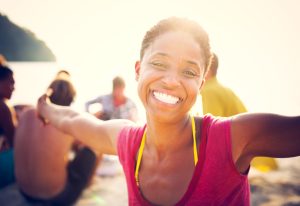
(7, 86)
(170, 75)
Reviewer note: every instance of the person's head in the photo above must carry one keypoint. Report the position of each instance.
(213, 69)
(7, 82)
(174, 56)
(118, 86)
(63, 92)
(63, 74)
(118, 82)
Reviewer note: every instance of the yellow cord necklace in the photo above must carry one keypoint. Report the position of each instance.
(141, 149)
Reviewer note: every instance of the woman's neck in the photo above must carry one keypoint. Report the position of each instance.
(165, 138)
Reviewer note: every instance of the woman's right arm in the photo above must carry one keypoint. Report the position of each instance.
(97, 134)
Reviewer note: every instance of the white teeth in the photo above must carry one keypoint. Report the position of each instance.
(166, 98)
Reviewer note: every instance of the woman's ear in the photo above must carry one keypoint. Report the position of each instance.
(137, 70)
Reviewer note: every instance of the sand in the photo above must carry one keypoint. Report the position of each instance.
(280, 187)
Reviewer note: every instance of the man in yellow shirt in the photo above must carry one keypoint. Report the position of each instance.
(220, 100)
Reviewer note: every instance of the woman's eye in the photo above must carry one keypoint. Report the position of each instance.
(189, 74)
(158, 65)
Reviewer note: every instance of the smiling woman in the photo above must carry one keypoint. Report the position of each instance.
(181, 78)
(175, 158)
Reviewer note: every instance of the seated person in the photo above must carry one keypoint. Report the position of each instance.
(8, 122)
(115, 105)
(44, 172)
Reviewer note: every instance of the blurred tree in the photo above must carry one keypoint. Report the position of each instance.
(19, 44)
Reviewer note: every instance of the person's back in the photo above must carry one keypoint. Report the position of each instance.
(39, 155)
(218, 99)
(214, 94)
(43, 169)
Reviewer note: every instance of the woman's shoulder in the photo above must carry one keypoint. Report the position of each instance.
(131, 134)
(132, 130)
(214, 119)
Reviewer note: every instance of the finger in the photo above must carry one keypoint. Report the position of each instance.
(49, 92)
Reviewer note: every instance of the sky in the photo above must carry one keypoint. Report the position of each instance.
(257, 41)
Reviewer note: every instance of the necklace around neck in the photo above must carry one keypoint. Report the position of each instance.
(142, 145)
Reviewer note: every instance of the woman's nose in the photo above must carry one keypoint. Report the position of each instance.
(171, 79)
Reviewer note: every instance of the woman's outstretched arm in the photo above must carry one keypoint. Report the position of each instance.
(260, 134)
(97, 134)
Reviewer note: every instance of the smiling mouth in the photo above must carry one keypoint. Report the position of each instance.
(166, 98)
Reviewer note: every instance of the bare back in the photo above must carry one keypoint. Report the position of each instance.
(41, 156)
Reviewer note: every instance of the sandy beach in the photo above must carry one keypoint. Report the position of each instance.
(275, 188)
(280, 187)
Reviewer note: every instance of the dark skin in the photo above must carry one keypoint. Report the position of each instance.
(7, 122)
(268, 135)
(8, 119)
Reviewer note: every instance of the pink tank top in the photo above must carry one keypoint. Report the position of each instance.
(216, 181)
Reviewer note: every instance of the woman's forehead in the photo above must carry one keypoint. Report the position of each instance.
(176, 45)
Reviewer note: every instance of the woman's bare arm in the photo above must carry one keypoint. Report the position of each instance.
(268, 135)
(97, 134)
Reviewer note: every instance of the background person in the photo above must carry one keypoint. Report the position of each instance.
(220, 100)
(115, 105)
(8, 123)
(44, 171)
(8, 120)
